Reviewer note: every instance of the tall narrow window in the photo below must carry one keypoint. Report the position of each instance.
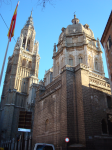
(80, 59)
(24, 42)
(96, 65)
(70, 61)
(28, 45)
(109, 43)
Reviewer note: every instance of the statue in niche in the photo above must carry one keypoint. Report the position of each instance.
(98, 43)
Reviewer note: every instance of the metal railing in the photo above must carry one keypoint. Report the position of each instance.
(17, 144)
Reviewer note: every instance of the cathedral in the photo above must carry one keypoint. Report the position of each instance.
(74, 98)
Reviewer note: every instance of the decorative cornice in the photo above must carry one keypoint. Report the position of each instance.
(68, 67)
(100, 84)
(81, 66)
(99, 77)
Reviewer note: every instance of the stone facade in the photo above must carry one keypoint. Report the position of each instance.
(20, 82)
(77, 102)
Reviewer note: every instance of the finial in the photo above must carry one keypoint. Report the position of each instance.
(31, 12)
(75, 20)
(74, 15)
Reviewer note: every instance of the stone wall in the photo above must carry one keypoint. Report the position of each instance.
(71, 106)
(47, 117)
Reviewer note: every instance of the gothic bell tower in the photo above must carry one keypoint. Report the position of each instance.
(28, 62)
(21, 74)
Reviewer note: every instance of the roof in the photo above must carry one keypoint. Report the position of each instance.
(106, 28)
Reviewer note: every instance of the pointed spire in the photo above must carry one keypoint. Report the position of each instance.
(29, 22)
(31, 13)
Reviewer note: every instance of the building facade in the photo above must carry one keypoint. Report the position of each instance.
(106, 41)
(20, 82)
(74, 99)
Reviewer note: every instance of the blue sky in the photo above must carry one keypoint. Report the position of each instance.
(48, 23)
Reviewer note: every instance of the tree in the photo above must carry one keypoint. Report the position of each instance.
(7, 2)
(39, 2)
(44, 2)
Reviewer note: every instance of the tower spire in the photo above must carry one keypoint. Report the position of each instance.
(29, 21)
(31, 12)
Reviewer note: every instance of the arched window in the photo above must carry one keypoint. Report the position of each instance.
(96, 64)
(104, 127)
(24, 42)
(28, 45)
(46, 125)
(70, 61)
(80, 59)
(24, 62)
